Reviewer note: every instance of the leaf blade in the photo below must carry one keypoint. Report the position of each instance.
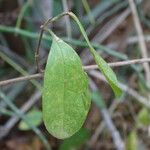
(66, 99)
(108, 73)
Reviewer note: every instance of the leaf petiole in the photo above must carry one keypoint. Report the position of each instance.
(103, 66)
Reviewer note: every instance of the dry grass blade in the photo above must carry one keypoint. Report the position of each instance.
(140, 38)
(91, 67)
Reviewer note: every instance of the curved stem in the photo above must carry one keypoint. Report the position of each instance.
(102, 65)
(40, 38)
(37, 52)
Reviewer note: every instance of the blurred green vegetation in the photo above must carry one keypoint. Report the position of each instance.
(20, 22)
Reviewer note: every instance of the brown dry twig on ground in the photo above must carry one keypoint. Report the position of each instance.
(141, 40)
(90, 67)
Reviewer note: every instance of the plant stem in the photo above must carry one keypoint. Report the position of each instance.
(90, 67)
(33, 35)
(102, 65)
(67, 19)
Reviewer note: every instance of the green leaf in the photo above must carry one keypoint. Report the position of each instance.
(34, 117)
(76, 140)
(132, 141)
(109, 74)
(103, 66)
(144, 117)
(66, 96)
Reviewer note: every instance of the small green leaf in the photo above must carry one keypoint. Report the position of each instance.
(132, 141)
(66, 97)
(108, 73)
(144, 117)
(33, 116)
(76, 140)
(103, 66)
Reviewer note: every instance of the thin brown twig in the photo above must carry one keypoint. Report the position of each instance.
(90, 67)
(125, 88)
(140, 38)
(37, 51)
(23, 78)
(40, 39)
(120, 63)
(68, 24)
